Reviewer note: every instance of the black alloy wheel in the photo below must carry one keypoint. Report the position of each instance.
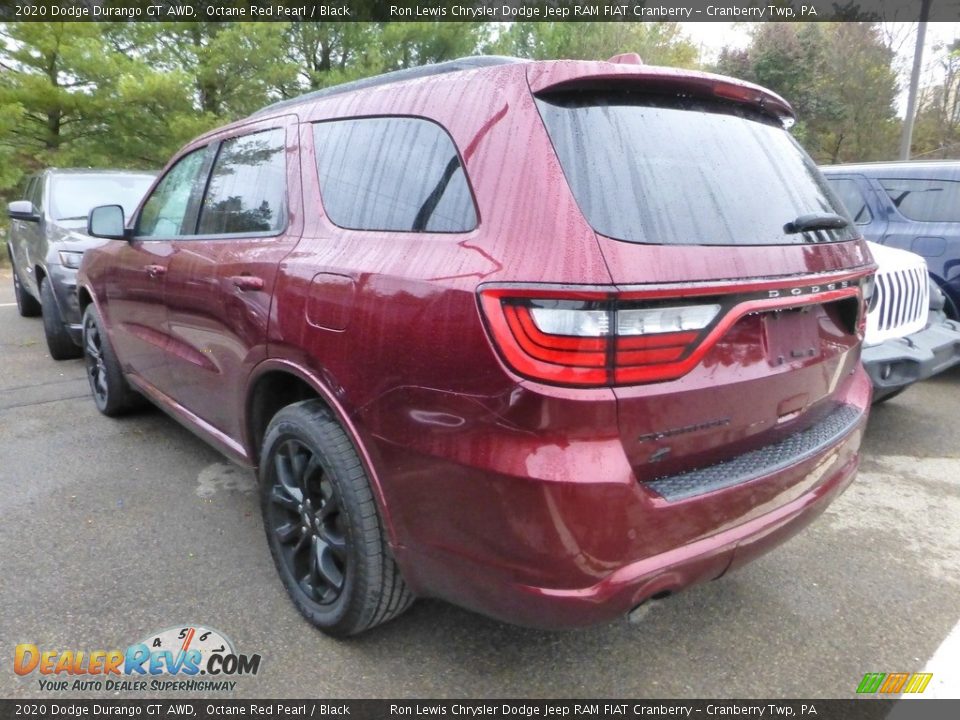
(323, 524)
(306, 517)
(93, 357)
(111, 393)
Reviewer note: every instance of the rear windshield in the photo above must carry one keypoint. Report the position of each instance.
(681, 171)
(73, 196)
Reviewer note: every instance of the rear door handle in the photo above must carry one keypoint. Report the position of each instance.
(247, 282)
(155, 270)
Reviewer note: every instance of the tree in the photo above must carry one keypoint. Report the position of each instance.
(838, 76)
(233, 68)
(327, 53)
(408, 44)
(937, 131)
(54, 74)
(657, 43)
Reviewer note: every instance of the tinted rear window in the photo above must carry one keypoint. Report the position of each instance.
(392, 174)
(680, 171)
(925, 200)
(247, 189)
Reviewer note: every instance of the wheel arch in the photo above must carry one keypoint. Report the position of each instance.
(952, 307)
(39, 272)
(275, 384)
(84, 298)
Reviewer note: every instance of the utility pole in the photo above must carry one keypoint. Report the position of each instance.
(906, 138)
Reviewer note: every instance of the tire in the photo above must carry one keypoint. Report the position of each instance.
(325, 534)
(59, 342)
(27, 304)
(950, 308)
(111, 393)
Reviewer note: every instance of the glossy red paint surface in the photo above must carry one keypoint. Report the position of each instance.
(517, 498)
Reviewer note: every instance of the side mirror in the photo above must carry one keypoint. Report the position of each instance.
(106, 221)
(23, 210)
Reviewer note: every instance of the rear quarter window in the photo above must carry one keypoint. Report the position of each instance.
(681, 171)
(924, 200)
(401, 174)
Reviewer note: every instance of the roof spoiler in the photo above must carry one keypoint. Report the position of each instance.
(579, 75)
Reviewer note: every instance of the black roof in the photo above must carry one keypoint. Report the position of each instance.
(459, 65)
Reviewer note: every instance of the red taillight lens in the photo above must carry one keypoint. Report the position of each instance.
(594, 340)
(572, 351)
(602, 337)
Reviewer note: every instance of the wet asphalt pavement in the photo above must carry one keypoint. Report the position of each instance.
(114, 529)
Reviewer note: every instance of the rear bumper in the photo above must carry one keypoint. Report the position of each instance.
(894, 364)
(485, 590)
(577, 552)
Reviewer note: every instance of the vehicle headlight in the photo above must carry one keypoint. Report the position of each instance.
(70, 259)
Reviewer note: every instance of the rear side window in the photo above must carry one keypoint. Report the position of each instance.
(401, 174)
(925, 200)
(681, 171)
(851, 197)
(248, 186)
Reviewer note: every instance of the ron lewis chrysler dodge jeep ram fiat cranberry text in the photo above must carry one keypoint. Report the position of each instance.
(544, 339)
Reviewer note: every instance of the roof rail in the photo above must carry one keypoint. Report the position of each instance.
(460, 64)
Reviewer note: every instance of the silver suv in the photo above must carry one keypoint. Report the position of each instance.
(47, 240)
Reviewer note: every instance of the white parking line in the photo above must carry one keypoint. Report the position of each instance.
(945, 666)
(13, 304)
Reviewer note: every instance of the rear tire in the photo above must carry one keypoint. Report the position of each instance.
(59, 342)
(27, 304)
(323, 528)
(111, 393)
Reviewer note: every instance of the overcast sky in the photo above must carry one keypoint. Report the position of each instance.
(712, 36)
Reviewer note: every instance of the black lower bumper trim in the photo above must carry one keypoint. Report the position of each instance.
(763, 461)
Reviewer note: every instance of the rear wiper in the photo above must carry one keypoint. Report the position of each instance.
(816, 221)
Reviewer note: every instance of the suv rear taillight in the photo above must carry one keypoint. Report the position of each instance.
(598, 337)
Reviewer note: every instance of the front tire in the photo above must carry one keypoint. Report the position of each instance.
(59, 342)
(111, 393)
(323, 528)
(27, 304)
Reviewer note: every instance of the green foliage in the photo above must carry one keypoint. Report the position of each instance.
(658, 43)
(936, 133)
(404, 45)
(116, 94)
(839, 78)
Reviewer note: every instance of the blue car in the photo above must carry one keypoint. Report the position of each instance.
(912, 206)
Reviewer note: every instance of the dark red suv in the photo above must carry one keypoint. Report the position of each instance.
(543, 339)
